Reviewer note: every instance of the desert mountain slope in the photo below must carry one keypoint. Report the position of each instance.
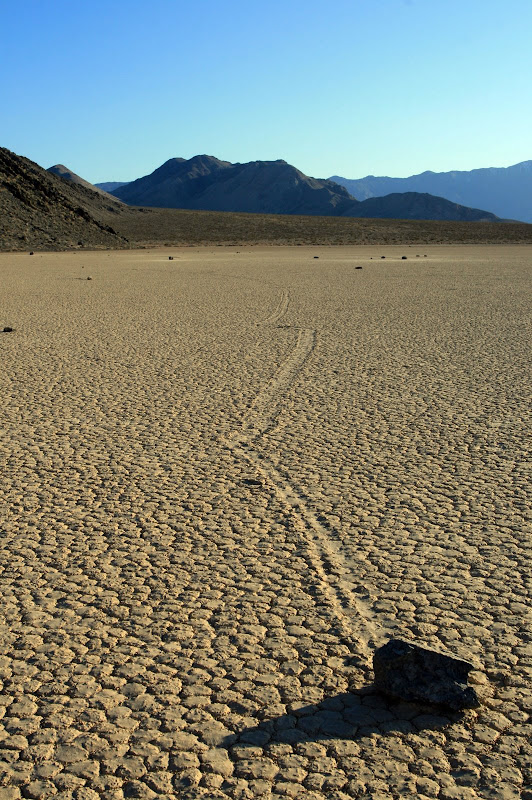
(39, 209)
(63, 172)
(505, 191)
(274, 187)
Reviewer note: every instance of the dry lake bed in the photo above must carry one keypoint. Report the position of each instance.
(226, 479)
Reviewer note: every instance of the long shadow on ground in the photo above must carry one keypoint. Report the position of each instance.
(351, 715)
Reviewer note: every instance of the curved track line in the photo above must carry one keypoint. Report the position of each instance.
(267, 403)
(280, 310)
(354, 618)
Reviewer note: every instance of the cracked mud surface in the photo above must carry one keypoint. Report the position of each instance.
(225, 480)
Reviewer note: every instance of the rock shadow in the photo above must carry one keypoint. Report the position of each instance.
(349, 715)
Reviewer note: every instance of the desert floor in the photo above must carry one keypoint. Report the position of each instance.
(227, 478)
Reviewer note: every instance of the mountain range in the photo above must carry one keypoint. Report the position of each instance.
(505, 191)
(42, 210)
(275, 187)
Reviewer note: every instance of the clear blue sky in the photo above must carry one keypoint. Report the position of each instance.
(113, 88)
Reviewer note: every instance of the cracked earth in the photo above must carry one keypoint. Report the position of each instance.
(226, 479)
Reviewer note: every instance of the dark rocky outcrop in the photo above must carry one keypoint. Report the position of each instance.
(407, 671)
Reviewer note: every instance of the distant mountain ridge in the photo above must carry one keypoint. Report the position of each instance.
(274, 187)
(110, 186)
(505, 191)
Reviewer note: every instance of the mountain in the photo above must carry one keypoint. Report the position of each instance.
(40, 209)
(415, 205)
(260, 187)
(63, 172)
(505, 191)
(275, 187)
(110, 186)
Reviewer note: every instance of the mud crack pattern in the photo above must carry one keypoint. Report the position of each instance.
(224, 478)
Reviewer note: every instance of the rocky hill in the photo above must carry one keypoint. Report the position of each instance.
(260, 187)
(274, 187)
(63, 172)
(414, 205)
(505, 191)
(41, 210)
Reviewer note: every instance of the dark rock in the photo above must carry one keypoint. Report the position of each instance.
(417, 674)
(358, 267)
(31, 252)
(7, 329)
(383, 256)
(316, 256)
(170, 258)
(403, 258)
(89, 278)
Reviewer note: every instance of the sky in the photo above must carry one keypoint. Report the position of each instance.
(114, 88)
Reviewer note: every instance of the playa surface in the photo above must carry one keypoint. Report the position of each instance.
(227, 478)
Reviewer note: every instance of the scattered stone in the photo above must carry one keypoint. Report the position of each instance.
(170, 258)
(409, 672)
(253, 483)
(316, 256)
(7, 329)
(31, 252)
(383, 256)
(403, 258)
(358, 267)
(89, 278)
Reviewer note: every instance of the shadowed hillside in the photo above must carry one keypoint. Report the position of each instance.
(41, 210)
(506, 191)
(260, 187)
(414, 205)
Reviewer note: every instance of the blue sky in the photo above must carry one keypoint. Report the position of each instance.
(114, 88)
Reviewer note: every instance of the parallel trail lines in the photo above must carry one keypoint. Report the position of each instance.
(354, 618)
(279, 311)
